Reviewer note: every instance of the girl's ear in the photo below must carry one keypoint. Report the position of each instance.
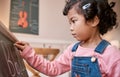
(95, 21)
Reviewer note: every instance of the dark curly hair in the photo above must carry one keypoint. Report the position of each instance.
(91, 8)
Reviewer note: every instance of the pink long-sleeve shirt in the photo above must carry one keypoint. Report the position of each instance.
(109, 61)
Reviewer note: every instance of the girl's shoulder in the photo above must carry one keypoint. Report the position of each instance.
(112, 53)
(112, 49)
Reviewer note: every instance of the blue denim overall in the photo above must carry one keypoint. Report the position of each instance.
(84, 66)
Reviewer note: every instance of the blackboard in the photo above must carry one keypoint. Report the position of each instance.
(11, 63)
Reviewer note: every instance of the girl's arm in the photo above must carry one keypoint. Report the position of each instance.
(54, 68)
(113, 62)
(115, 70)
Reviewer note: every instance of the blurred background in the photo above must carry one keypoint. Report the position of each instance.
(54, 27)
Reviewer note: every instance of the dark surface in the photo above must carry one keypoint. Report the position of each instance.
(11, 63)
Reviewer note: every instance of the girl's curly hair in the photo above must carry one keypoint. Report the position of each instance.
(92, 8)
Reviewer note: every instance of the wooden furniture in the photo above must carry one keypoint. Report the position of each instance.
(48, 53)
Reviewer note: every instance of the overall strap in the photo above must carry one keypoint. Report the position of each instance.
(99, 49)
(101, 46)
(74, 48)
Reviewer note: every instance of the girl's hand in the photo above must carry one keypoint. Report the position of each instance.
(21, 45)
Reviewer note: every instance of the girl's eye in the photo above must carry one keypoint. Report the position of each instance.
(73, 21)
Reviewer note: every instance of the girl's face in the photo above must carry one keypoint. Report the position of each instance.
(80, 28)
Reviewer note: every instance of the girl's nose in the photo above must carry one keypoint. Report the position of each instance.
(71, 27)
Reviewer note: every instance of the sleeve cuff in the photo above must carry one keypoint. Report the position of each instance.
(26, 51)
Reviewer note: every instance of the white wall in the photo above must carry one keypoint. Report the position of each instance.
(4, 11)
(53, 24)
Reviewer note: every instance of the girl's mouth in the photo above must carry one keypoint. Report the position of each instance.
(74, 35)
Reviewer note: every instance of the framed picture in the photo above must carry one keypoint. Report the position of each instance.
(24, 16)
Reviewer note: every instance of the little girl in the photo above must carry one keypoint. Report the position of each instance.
(92, 56)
